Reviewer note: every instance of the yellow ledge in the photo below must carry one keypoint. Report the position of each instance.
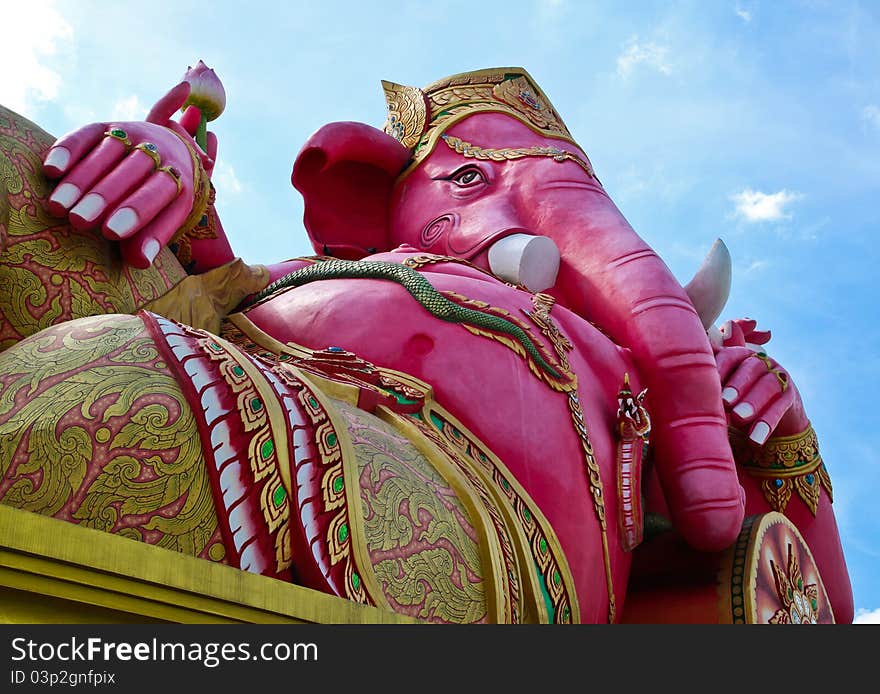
(52, 571)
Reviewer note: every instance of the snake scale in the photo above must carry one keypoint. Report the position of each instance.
(418, 287)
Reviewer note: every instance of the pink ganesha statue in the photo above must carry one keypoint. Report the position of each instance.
(486, 399)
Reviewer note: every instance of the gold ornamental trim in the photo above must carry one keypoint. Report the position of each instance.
(471, 151)
(277, 419)
(356, 543)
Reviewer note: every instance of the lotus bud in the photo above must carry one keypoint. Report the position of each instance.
(207, 94)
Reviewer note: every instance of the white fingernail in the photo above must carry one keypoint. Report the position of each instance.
(58, 157)
(151, 249)
(122, 221)
(65, 195)
(760, 432)
(744, 410)
(729, 394)
(89, 207)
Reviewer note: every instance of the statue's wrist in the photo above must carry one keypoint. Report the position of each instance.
(203, 192)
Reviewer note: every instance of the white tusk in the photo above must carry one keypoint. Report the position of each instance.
(710, 287)
(532, 261)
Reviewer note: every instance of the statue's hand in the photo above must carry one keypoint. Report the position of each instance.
(138, 182)
(759, 395)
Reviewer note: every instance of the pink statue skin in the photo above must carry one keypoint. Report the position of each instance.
(617, 303)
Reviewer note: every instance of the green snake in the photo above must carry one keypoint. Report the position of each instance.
(418, 287)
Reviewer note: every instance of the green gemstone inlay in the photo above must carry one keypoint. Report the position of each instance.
(437, 422)
(256, 404)
(278, 497)
(343, 532)
(313, 402)
(557, 579)
(117, 132)
(338, 485)
(814, 603)
(355, 581)
(527, 514)
(331, 440)
(267, 449)
(543, 545)
(238, 371)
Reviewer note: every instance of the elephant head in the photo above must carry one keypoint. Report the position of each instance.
(480, 166)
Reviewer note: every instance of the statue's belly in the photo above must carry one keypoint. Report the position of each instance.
(494, 391)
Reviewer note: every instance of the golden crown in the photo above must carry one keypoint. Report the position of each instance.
(418, 117)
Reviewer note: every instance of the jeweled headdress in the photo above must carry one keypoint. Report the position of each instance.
(418, 117)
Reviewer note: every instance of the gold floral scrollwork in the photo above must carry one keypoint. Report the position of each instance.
(407, 113)
(95, 430)
(420, 537)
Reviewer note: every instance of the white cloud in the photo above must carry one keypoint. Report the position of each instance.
(34, 31)
(129, 108)
(225, 180)
(743, 14)
(864, 616)
(871, 114)
(650, 54)
(755, 206)
(756, 266)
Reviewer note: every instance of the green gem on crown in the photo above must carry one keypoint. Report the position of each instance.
(338, 485)
(543, 545)
(343, 532)
(256, 404)
(238, 371)
(355, 581)
(331, 440)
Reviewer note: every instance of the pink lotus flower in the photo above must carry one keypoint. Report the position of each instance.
(207, 91)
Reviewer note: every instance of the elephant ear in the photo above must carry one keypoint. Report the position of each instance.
(346, 172)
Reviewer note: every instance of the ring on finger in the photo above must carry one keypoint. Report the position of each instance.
(781, 376)
(119, 134)
(152, 152)
(175, 174)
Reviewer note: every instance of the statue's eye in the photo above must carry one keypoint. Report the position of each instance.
(468, 178)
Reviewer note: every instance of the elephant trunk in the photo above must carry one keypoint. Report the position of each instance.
(611, 277)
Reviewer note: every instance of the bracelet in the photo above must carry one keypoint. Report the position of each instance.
(201, 188)
(785, 464)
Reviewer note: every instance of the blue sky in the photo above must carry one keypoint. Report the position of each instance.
(758, 122)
